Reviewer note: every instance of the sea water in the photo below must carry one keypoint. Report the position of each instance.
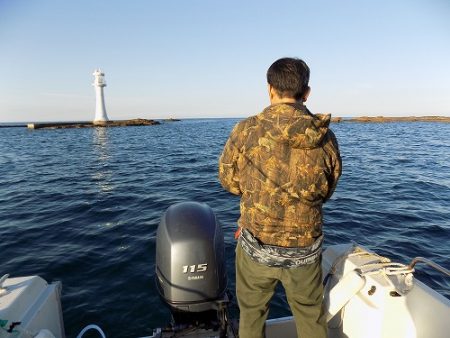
(82, 206)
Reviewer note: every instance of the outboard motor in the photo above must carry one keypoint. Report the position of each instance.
(190, 267)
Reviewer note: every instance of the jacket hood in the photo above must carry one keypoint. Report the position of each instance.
(294, 124)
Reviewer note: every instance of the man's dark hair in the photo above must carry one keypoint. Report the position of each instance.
(289, 77)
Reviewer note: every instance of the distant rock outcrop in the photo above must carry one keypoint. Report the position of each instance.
(383, 119)
(337, 119)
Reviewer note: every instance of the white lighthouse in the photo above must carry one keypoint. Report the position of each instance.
(100, 109)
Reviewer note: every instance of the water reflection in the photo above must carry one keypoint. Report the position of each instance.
(103, 173)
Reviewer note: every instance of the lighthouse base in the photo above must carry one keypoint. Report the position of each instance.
(100, 123)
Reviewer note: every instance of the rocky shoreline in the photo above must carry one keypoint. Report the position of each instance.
(384, 119)
(118, 123)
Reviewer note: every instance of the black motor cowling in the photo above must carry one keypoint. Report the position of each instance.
(190, 267)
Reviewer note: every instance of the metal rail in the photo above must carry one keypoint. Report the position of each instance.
(430, 263)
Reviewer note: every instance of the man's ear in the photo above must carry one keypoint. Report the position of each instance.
(272, 92)
(306, 94)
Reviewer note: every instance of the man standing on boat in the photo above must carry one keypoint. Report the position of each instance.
(284, 163)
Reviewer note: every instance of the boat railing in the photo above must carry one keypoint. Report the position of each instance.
(430, 263)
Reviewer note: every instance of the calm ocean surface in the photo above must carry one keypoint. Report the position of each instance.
(82, 206)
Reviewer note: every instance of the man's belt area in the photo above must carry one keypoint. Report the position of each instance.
(278, 256)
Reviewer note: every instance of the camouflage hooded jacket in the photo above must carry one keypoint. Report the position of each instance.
(285, 164)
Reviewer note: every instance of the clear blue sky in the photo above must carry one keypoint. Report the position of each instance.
(202, 58)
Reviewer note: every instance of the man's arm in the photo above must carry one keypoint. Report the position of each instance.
(335, 162)
(228, 175)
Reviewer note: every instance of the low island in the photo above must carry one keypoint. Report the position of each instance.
(90, 124)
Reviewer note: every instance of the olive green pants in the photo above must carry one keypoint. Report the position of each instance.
(255, 286)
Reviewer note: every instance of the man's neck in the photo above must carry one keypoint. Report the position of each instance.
(277, 100)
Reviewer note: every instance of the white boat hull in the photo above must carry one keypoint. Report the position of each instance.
(380, 308)
(366, 296)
